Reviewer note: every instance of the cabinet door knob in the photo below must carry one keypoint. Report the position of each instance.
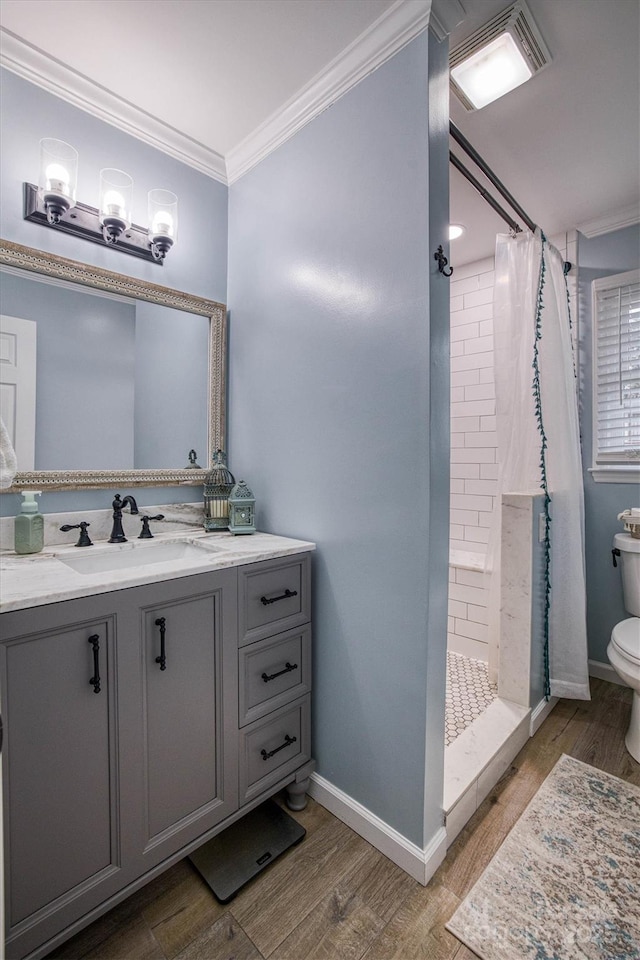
(162, 659)
(95, 679)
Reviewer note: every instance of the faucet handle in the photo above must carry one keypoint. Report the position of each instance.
(83, 539)
(145, 533)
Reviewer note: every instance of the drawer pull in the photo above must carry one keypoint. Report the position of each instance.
(265, 601)
(95, 679)
(162, 659)
(287, 743)
(288, 668)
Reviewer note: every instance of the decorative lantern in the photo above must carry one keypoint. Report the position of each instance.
(242, 509)
(218, 483)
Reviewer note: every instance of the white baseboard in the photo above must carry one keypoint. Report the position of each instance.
(604, 671)
(540, 713)
(419, 864)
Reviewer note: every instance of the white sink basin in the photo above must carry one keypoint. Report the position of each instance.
(126, 556)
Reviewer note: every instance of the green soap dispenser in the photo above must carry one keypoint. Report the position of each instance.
(29, 525)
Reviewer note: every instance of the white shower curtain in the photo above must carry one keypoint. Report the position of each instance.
(539, 440)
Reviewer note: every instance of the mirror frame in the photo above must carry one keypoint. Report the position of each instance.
(37, 261)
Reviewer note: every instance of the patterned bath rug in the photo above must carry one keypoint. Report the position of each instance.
(565, 884)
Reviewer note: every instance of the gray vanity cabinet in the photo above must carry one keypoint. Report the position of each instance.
(138, 724)
(62, 845)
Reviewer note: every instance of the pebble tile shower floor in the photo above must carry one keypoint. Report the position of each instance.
(469, 693)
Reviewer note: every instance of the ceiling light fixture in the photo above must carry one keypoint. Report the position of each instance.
(500, 56)
(455, 230)
(53, 204)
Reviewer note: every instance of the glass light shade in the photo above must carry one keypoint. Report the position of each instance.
(163, 215)
(492, 71)
(163, 221)
(116, 194)
(58, 178)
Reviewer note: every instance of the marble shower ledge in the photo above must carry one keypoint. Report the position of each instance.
(38, 579)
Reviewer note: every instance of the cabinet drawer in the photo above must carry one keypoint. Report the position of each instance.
(273, 747)
(273, 672)
(274, 596)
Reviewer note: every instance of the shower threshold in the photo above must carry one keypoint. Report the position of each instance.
(478, 757)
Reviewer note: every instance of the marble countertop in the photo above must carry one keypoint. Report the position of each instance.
(36, 579)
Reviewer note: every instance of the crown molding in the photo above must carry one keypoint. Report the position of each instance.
(446, 16)
(617, 220)
(397, 26)
(55, 77)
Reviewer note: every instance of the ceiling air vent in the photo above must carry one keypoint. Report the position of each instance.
(515, 20)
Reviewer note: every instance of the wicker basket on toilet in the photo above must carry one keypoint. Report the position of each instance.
(631, 521)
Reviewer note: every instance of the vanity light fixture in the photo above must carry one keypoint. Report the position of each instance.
(116, 194)
(58, 178)
(500, 56)
(52, 203)
(163, 221)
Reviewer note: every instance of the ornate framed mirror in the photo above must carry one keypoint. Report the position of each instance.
(142, 366)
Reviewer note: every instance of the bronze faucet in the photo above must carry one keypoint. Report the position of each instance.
(117, 533)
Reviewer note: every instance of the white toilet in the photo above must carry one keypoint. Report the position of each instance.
(624, 647)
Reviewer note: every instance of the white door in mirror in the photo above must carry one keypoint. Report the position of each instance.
(18, 386)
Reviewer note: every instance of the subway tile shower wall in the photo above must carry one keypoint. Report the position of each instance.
(474, 461)
(473, 421)
(467, 630)
(474, 452)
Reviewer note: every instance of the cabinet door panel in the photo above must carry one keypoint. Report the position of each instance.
(61, 771)
(184, 723)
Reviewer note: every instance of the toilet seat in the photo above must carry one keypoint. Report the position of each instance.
(625, 637)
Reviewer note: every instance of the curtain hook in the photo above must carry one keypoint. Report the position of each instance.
(442, 262)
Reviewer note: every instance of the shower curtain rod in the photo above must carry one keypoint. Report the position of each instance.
(459, 165)
(490, 175)
(500, 187)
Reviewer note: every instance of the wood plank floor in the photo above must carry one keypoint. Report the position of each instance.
(334, 897)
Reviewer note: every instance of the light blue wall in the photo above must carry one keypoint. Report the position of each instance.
(197, 264)
(600, 257)
(439, 431)
(331, 407)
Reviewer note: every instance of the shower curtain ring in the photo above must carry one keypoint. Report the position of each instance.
(442, 262)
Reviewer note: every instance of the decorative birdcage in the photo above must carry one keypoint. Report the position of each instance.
(218, 484)
(242, 509)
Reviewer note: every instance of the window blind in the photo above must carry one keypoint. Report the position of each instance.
(616, 381)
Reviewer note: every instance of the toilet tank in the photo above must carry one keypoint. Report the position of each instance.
(629, 548)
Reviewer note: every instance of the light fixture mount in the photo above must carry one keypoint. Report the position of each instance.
(84, 221)
(55, 207)
(515, 21)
